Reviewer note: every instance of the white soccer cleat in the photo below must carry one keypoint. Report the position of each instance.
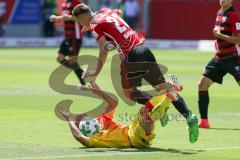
(79, 86)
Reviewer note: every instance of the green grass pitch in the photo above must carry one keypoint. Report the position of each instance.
(29, 128)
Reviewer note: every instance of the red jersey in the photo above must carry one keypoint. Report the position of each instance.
(72, 29)
(229, 24)
(108, 23)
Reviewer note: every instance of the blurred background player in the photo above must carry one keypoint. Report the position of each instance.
(227, 58)
(139, 134)
(131, 12)
(72, 43)
(48, 9)
(132, 50)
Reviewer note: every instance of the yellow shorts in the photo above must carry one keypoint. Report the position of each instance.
(137, 135)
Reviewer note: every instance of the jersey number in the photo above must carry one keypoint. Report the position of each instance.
(115, 19)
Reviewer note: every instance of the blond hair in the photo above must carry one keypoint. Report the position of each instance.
(80, 9)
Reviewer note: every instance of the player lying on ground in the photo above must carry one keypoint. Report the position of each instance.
(71, 45)
(227, 58)
(138, 134)
(130, 44)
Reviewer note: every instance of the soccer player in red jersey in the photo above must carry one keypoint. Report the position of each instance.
(227, 58)
(72, 42)
(137, 60)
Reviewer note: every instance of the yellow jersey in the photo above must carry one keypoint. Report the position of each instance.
(115, 135)
(111, 135)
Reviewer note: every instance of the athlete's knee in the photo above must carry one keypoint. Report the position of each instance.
(204, 83)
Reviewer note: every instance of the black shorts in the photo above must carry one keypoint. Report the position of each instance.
(70, 47)
(217, 69)
(140, 64)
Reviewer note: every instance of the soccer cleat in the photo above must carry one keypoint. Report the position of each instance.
(192, 122)
(204, 123)
(81, 87)
(177, 86)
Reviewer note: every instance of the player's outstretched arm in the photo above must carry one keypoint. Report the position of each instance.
(74, 129)
(112, 103)
(103, 53)
(64, 17)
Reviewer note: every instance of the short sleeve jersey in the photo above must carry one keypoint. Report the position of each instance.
(108, 23)
(228, 23)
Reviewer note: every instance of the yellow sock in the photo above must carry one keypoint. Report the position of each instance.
(159, 110)
(154, 102)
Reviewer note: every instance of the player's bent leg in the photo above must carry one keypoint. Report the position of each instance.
(72, 64)
(204, 83)
(78, 70)
(239, 83)
(181, 106)
(136, 95)
(154, 109)
(141, 130)
(162, 105)
(203, 100)
(145, 121)
(171, 87)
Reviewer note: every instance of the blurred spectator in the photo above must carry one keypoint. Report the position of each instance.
(131, 11)
(48, 8)
(106, 4)
(94, 5)
(120, 4)
(1, 27)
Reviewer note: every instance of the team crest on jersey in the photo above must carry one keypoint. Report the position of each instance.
(237, 26)
(95, 35)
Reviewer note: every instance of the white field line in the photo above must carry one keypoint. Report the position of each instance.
(112, 154)
(222, 148)
(79, 155)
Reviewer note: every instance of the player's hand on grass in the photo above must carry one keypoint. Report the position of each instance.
(64, 112)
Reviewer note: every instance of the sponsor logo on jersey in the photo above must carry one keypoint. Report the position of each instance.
(222, 19)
